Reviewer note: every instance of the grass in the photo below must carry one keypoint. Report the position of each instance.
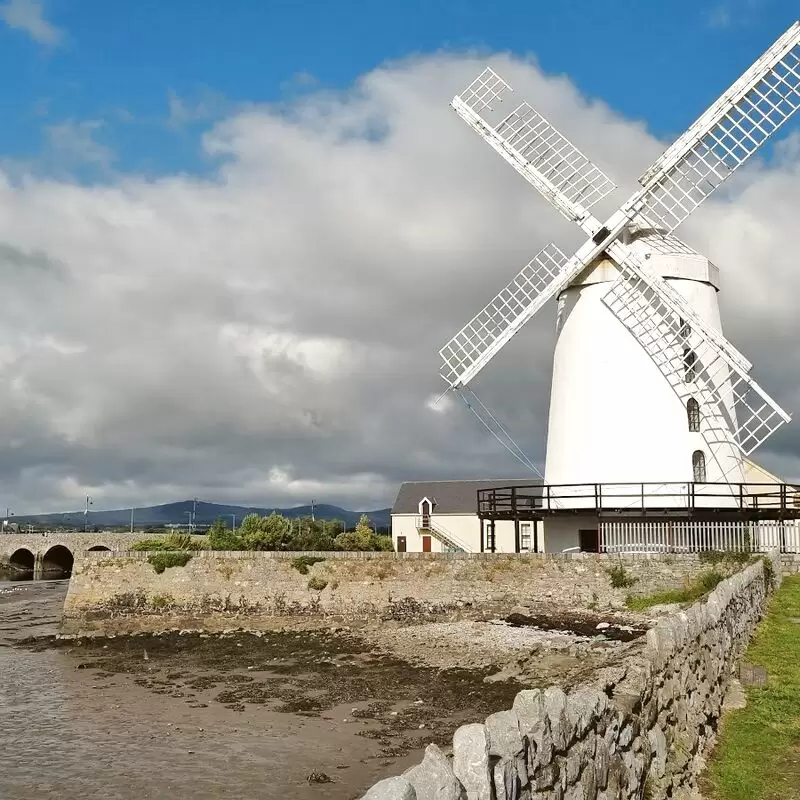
(703, 584)
(758, 756)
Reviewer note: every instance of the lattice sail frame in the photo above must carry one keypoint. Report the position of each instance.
(723, 138)
(534, 147)
(726, 135)
(733, 402)
(476, 343)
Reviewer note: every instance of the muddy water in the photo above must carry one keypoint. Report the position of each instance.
(207, 717)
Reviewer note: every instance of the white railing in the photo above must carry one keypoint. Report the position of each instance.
(694, 536)
(441, 533)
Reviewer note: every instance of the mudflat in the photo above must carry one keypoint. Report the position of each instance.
(299, 711)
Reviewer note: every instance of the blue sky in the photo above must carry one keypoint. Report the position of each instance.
(133, 83)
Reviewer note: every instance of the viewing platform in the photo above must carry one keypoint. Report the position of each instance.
(687, 500)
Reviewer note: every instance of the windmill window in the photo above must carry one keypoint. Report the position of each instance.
(699, 466)
(693, 413)
(689, 365)
(684, 330)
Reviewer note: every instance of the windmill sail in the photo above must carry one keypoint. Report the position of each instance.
(689, 358)
(725, 136)
(534, 147)
(475, 344)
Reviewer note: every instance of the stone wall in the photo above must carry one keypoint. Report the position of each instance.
(119, 593)
(639, 730)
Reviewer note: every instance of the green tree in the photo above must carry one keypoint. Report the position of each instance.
(362, 538)
(221, 537)
(273, 533)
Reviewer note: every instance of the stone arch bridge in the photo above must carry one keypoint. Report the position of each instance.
(53, 554)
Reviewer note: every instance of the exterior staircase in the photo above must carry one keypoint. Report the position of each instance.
(451, 544)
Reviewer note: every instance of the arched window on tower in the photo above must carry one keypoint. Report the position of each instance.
(693, 413)
(699, 466)
(689, 365)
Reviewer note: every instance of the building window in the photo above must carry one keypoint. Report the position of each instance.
(524, 536)
(693, 412)
(699, 466)
(689, 365)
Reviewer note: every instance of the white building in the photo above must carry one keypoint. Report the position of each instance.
(523, 515)
(442, 516)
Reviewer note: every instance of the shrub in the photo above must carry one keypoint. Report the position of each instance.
(302, 563)
(620, 578)
(221, 537)
(317, 583)
(718, 556)
(769, 572)
(173, 542)
(708, 581)
(161, 560)
(362, 538)
(148, 544)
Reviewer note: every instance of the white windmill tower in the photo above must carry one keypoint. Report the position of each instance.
(645, 387)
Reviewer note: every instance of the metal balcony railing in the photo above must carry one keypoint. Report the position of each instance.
(538, 500)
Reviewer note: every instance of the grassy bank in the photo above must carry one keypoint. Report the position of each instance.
(694, 590)
(758, 756)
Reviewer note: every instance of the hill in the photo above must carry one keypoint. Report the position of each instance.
(206, 513)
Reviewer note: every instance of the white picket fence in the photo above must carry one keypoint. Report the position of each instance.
(693, 536)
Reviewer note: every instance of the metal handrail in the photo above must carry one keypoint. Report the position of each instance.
(441, 533)
(754, 496)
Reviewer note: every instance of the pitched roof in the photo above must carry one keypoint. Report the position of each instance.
(451, 497)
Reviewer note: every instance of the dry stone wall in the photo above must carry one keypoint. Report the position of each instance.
(122, 593)
(638, 730)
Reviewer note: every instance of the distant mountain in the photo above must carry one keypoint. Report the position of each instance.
(206, 513)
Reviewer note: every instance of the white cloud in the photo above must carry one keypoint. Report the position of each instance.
(28, 16)
(71, 144)
(207, 105)
(269, 333)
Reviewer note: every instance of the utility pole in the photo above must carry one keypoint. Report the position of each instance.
(86, 513)
(312, 509)
(131, 520)
(194, 513)
(233, 517)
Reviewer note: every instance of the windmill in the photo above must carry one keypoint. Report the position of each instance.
(645, 387)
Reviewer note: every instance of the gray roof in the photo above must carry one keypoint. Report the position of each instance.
(451, 497)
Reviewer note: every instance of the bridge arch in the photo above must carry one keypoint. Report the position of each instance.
(58, 559)
(22, 560)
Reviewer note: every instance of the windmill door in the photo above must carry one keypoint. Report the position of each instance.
(426, 544)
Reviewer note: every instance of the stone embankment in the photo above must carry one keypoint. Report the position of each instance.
(123, 593)
(637, 730)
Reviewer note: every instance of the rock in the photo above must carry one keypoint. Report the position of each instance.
(584, 707)
(391, 789)
(504, 736)
(506, 784)
(434, 778)
(471, 761)
(555, 704)
(602, 626)
(658, 748)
